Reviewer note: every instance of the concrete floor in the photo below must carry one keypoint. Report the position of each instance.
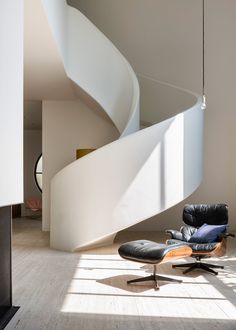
(59, 290)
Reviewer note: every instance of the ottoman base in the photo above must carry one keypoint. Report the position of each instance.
(154, 277)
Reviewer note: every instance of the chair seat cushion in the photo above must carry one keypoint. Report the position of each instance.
(146, 251)
(196, 247)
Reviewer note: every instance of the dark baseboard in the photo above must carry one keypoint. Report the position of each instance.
(7, 316)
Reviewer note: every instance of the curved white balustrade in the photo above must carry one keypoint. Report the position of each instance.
(137, 176)
(94, 64)
(127, 181)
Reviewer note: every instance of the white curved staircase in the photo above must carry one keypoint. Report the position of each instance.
(141, 174)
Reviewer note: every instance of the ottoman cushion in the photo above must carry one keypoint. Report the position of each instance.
(146, 251)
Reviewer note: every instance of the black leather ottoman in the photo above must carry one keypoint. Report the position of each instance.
(149, 252)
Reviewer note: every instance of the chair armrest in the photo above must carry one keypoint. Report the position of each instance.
(225, 235)
(175, 234)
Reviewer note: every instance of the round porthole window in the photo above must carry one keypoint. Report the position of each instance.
(38, 173)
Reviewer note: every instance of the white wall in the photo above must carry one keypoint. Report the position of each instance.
(219, 183)
(160, 38)
(163, 39)
(11, 102)
(67, 126)
(32, 150)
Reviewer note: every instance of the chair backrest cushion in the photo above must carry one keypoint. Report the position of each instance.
(212, 214)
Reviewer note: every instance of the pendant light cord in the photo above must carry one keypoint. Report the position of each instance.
(203, 56)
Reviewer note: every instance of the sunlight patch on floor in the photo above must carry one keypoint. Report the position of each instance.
(99, 287)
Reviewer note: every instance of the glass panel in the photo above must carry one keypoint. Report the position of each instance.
(38, 173)
(39, 178)
(39, 168)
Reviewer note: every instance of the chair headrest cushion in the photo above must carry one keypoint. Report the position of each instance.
(212, 214)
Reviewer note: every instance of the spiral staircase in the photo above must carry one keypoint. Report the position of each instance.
(145, 171)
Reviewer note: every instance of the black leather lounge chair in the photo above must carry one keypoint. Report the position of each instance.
(202, 219)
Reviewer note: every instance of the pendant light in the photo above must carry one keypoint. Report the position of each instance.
(203, 56)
